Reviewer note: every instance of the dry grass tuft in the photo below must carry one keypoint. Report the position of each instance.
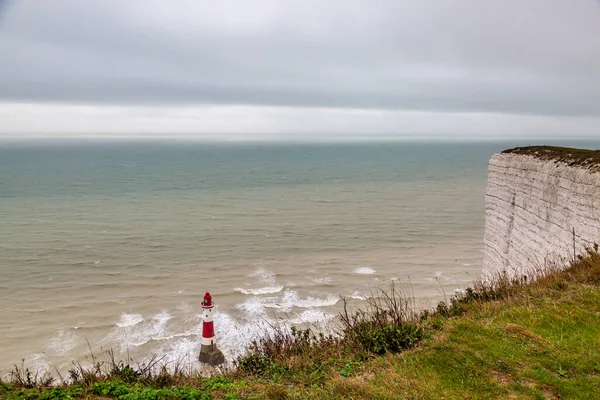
(503, 378)
(522, 332)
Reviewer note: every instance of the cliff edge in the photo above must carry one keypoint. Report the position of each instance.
(542, 207)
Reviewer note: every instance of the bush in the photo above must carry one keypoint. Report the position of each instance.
(125, 373)
(390, 338)
(254, 364)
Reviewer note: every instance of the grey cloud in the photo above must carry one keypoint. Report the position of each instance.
(537, 57)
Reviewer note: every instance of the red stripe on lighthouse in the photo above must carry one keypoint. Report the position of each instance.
(208, 330)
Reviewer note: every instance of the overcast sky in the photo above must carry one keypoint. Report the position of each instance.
(281, 69)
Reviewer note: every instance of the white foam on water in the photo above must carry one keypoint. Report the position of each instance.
(234, 336)
(185, 307)
(129, 320)
(158, 328)
(178, 353)
(283, 304)
(259, 291)
(63, 342)
(312, 316)
(312, 302)
(141, 332)
(162, 317)
(357, 296)
(185, 334)
(273, 305)
(290, 299)
(324, 281)
(364, 271)
(254, 307)
(264, 276)
(183, 351)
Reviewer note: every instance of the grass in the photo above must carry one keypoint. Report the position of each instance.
(500, 339)
(574, 157)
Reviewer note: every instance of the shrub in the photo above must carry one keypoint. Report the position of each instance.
(390, 338)
(254, 364)
(125, 373)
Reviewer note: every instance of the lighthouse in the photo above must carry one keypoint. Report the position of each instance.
(209, 352)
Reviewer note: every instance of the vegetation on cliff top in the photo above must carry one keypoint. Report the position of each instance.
(573, 157)
(503, 339)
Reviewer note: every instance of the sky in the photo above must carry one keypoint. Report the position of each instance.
(299, 69)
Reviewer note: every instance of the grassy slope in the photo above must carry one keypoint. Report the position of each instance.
(535, 341)
(538, 347)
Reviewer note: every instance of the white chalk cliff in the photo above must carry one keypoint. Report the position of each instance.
(535, 199)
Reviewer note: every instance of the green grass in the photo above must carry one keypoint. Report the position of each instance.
(498, 341)
(573, 157)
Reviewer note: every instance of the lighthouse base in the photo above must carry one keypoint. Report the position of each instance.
(210, 354)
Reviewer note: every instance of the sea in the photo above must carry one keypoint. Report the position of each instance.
(112, 245)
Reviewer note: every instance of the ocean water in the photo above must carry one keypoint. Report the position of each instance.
(114, 244)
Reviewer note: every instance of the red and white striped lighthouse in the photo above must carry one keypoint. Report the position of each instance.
(209, 352)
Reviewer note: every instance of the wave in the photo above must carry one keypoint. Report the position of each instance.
(63, 342)
(312, 317)
(134, 330)
(288, 301)
(264, 276)
(253, 307)
(364, 271)
(312, 302)
(259, 291)
(129, 320)
(357, 296)
(234, 336)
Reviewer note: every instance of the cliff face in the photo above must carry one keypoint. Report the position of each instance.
(535, 198)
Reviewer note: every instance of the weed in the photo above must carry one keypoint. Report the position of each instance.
(277, 393)
(348, 369)
(23, 377)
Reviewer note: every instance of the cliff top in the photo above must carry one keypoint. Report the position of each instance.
(573, 157)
